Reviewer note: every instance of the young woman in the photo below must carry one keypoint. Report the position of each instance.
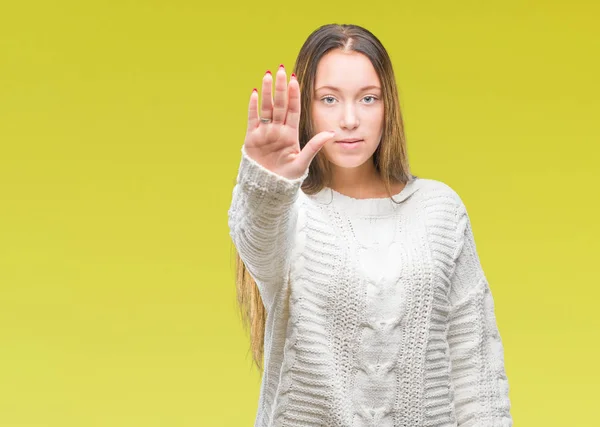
(361, 282)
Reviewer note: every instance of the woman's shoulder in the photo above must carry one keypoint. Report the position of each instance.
(437, 191)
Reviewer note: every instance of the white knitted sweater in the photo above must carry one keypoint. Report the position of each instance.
(379, 314)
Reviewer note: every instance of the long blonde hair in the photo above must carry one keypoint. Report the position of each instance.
(390, 157)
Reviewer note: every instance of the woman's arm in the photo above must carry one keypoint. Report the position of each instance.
(262, 219)
(476, 352)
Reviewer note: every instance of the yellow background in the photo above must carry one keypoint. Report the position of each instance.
(121, 124)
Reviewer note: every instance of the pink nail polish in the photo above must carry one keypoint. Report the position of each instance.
(268, 72)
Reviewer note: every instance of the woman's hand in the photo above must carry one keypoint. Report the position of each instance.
(276, 145)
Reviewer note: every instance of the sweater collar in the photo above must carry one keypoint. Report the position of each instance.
(371, 206)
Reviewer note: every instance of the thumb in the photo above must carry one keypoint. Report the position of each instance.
(312, 147)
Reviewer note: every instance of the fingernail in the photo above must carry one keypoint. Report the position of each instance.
(293, 75)
(254, 90)
(281, 66)
(268, 72)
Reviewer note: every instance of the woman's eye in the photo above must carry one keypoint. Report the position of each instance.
(326, 98)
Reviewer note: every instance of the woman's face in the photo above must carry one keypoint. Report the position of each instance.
(347, 99)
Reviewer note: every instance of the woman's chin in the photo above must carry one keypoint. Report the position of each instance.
(346, 161)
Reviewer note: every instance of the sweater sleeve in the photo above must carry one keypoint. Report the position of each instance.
(481, 391)
(262, 218)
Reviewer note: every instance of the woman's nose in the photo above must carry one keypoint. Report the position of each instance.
(349, 118)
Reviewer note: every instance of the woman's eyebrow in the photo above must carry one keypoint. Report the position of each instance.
(338, 89)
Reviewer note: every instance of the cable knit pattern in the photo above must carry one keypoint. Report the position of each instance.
(477, 354)
(378, 314)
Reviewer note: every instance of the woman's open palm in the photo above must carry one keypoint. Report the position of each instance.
(275, 145)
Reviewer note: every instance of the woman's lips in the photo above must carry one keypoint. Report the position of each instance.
(349, 140)
(347, 144)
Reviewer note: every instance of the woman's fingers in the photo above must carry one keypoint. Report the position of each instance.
(293, 114)
(253, 110)
(284, 109)
(312, 147)
(280, 104)
(266, 107)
